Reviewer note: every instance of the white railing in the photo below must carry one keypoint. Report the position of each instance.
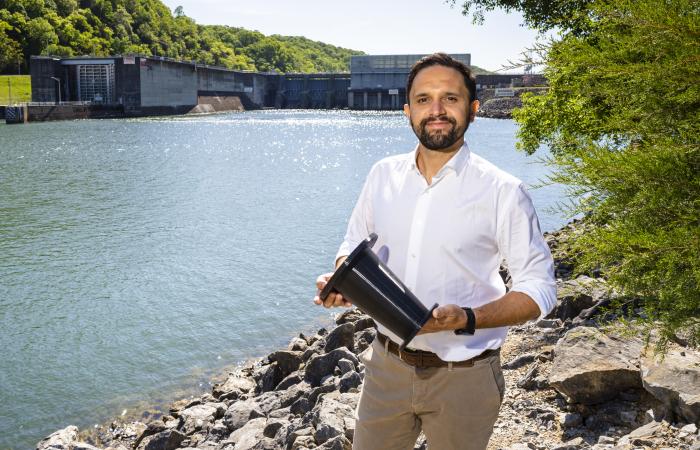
(504, 92)
(57, 103)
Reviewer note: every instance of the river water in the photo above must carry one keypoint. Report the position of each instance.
(139, 257)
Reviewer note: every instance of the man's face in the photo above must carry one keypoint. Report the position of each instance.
(440, 110)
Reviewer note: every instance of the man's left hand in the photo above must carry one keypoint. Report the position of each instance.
(445, 318)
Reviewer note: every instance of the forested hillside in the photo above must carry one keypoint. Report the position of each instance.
(148, 27)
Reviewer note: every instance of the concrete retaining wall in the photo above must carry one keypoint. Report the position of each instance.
(45, 113)
(168, 84)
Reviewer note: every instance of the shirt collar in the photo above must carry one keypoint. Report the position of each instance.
(458, 161)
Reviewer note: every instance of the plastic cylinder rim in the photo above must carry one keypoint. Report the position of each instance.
(347, 265)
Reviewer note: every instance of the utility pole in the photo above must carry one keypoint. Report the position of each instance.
(58, 80)
(9, 90)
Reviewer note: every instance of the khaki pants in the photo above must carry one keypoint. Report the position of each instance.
(456, 408)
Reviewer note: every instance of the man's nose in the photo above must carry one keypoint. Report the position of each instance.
(437, 108)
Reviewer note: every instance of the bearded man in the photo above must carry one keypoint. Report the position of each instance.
(448, 218)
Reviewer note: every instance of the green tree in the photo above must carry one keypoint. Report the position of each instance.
(65, 7)
(102, 27)
(622, 120)
(40, 34)
(570, 15)
(10, 50)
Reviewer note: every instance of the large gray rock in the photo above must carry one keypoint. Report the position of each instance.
(364, 322)
(196, 417)
(675, 381)
(239, 413)
(234, 385)
(248, 436)
(300, 407)
(349, 316)
(297, 433)
(59, 440)
(644, 435)
(288, 361)
(341, 336)
(165, 440)
(298, 344)
(268, 377)
(364, 338)
(348, 381)
(320, 366)
(574, 296)
(336, 443)
(269, 401)
(328, 418)
(218, 431)
(591, 367)
(290, 381)
(295, 392)
(318, 391)
(345, 366)
(273, 426)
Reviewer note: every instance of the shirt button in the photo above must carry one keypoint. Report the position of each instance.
(413, 255)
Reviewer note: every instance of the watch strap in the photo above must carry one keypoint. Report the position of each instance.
(470, 327)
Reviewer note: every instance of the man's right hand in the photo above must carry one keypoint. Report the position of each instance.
(334, 298)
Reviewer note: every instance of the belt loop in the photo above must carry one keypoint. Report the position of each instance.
(449, 366)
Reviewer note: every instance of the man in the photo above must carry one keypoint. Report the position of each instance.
(448, 218)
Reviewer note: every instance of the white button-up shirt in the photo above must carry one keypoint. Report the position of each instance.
(446, 240)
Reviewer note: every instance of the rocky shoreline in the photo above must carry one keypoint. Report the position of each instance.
(502, 107)
(571, 383)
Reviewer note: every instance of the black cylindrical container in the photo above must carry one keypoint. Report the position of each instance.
(368, 283)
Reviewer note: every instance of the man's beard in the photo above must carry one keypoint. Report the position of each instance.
(439, 140)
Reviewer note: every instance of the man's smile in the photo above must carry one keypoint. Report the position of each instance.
(438, 124)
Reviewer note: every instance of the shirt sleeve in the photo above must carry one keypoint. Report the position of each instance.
(361, 223)
(523, 247)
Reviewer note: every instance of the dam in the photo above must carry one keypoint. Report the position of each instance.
(137, 85)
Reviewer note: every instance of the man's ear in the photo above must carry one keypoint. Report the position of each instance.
(474, 108)
(406, 110)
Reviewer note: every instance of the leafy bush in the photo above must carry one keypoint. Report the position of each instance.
(622, 120)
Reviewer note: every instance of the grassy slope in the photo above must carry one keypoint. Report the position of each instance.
(479, 71)
(20, 86)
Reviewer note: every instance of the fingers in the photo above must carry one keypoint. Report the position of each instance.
(444, 318)
(322, 280)
(334, 299)
(443, 313)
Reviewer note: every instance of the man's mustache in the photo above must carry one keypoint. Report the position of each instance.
(427, 120)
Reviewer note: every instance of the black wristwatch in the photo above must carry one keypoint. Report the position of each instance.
(470, 327)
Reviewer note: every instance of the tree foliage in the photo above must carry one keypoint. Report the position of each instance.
(571, 15)
(622, 121)
(113, 27)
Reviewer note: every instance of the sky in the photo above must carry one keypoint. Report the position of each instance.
(376, 27)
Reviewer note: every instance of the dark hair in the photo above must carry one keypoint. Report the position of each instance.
(442, 59)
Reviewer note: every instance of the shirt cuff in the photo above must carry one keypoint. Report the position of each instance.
(544, 294)
(344, 250)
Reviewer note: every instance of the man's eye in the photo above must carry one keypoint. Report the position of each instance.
(422, 100)
(451, 99)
